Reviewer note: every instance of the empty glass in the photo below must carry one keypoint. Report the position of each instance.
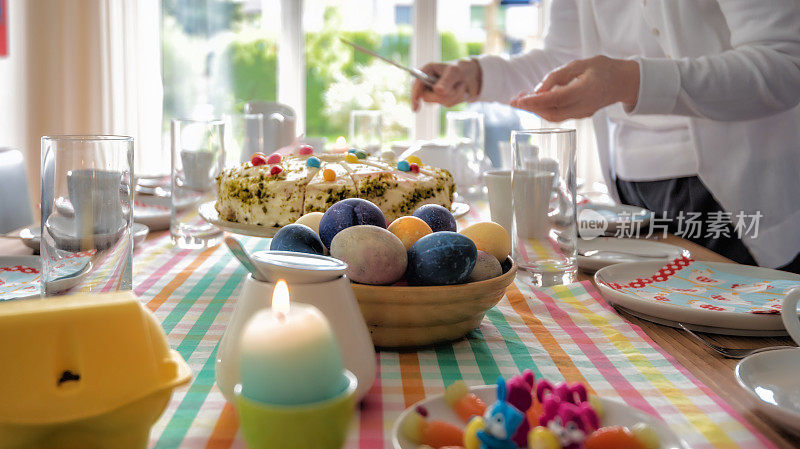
(198, 155)
(244, 135)
(465, 130)
(86, 242)
(544, 230)
(365, 130)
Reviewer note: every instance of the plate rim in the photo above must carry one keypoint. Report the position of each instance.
(734, 320)
(767, 408)
(395, 431)
(683, 251)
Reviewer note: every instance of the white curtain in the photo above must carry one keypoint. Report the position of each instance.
(87, 67)
(132, 91)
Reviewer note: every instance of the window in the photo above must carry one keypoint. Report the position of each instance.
(220, 54)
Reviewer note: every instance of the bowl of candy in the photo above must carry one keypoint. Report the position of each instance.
(525, 412)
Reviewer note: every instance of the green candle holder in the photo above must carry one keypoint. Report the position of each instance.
(319, 425)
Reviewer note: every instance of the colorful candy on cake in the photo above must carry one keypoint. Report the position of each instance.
(422, 248)
(277, 190)
(527, 414)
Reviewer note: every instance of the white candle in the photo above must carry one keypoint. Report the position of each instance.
(289, 354)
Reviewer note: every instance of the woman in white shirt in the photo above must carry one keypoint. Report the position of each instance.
(694, 103)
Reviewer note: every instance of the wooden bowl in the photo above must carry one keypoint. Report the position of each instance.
(407, 316)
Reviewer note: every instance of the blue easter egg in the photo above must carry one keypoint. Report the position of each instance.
(441, 258)
(437, 217)
(297, 238)
(313, 162)
(352, 150)
(403, 166)
(346, 213)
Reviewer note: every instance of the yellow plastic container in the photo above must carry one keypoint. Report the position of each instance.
(83, 371)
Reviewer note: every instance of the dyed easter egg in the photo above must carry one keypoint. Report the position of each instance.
(409, 230)
(373, 255)
(311, 220)
(298, 238)
(414, 160)
(361, 154)
(329, 175)
(490, 237)
(258, 159)
(486, 267)
(441, 258)
(437, 217)
(306, 149)
(351, 158)
(346, 213)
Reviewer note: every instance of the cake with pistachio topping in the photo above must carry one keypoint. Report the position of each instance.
(278, 190)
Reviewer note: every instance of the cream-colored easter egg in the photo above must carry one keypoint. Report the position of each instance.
(311, 220)
(490, 237)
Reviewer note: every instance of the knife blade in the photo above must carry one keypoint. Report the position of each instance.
(418, 74)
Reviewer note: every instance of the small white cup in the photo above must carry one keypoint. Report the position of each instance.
(789, 314)
(498, 185)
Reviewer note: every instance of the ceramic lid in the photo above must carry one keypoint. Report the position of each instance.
(298, 268)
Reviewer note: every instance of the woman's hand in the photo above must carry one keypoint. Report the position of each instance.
(457, 82)
(580, 88)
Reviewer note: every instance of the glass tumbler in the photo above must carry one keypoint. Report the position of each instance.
(544, 222)
(365, 130)
(198, 155)
(465, 130)
(87, 211)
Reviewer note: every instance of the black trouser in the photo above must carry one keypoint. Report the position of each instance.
(667, 198)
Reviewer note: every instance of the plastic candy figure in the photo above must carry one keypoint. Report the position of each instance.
(570, 423)
(501, 422)
(520, 395)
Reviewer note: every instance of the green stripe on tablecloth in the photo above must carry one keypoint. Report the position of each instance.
(190, 405)
(448, 364)
(519, 352)
(483, 357)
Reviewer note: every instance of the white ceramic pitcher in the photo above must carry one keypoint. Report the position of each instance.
(279, 123)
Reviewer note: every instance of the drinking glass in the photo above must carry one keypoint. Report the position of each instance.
(544, 230)
(365, 130)
(465, 130)
(87, 200)
(198, 155)
(244, 136)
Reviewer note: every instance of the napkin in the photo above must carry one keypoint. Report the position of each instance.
(688, 283)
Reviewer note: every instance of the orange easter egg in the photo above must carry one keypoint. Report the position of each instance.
(409, 230)
(329, 175)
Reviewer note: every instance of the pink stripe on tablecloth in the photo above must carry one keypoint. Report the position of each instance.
(679, 366)
(161, 271)
(371, 416)
(606, 367)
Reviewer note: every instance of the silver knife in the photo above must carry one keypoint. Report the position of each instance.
(418, 74)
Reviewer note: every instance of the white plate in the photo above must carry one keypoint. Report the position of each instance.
(713, 320)
(606, 255)
(154, 211)
(615, 414)
(210, 214)
(616, 215)
(28, 285)
(31, 236)
(459, 209)
(771, 379)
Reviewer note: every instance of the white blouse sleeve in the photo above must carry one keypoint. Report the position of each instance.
(504, 78)
(760, 76)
